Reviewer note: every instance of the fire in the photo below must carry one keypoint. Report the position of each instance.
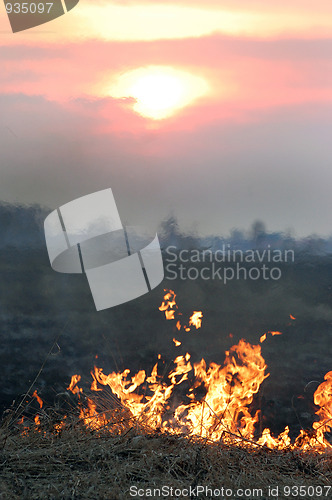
(169, 307)
(73, 384)
(169, 314)
(282, 441)
(211, 401)
(169, 304)
(214, 400)
(222, 413)
(40, 401)
(275, 333)
(36, 418)
(196, 319)
(263, 337)
(323, 399)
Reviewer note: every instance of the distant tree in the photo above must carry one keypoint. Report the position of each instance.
(170, 231)
(258, 233)
(237, 237)
(170, 226)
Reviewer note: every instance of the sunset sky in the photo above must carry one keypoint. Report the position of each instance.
(219, 112)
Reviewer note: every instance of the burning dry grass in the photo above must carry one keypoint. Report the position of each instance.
(141, 431)
(78, 463)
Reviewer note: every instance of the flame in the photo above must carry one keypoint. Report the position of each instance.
(91, 417)
(323, 399)
(195, 398)
(169, 314)
(222, 413)
(281, 442)
(196, 319)
(40, 401)
(169, 307)
(292, 317)
(211, 401)
(263, 337)
(168, 304)
(61, 425)
(73, 385)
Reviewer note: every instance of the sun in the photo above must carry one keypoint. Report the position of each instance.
(159, 91)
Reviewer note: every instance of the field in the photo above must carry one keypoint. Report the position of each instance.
(78, 464)
(51, 331)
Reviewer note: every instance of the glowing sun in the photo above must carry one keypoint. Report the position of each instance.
(159, 91)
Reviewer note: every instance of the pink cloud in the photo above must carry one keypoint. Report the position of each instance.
(244, 75)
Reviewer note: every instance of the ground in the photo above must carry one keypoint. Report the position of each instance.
(80, 464)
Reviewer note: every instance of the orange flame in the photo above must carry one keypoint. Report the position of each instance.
(169, 314)
(263, 337)
(196, 319)
(169, 307)
(169, 304)
(222, 413)
(73, 384)
(323, 399)
(212, 401)
(40, 401)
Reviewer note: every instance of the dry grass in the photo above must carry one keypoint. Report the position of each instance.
(82, 464)
(77, 463)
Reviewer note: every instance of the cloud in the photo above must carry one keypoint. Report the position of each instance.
(217, 176)
(243, 76)
(171, 20)
(301, 6)
(257, 147)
